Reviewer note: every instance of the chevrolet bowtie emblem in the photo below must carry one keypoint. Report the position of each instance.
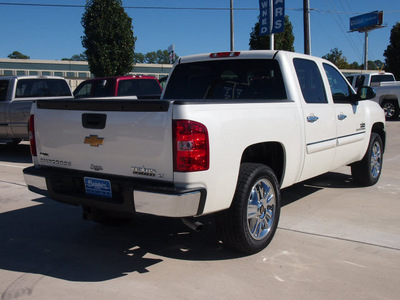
(93, 140)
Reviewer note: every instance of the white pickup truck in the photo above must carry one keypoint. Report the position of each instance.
(16, 96)
(231, 130)
(386, 87)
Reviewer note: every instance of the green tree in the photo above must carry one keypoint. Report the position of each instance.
(336, 57)
(162, 57)
(18, 55)
(379, 64)
(392, 52)
(138, 58)
(108, 38)
(151, 57)
(77, 57)
(354, 66)
(158, 57)
(283, 40)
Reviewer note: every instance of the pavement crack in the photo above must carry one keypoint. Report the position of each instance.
(339, 238)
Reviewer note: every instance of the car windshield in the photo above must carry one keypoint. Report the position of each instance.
(227, 80)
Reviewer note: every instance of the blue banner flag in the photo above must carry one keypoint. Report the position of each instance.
(272, 16)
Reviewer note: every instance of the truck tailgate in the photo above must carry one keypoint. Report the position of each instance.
(119, 137)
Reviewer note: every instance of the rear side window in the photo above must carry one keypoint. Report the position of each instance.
(381, 78)
(310, 81)
(83, 90)
(3, 89)
(138, 87)
(259, 79)
(28, 88)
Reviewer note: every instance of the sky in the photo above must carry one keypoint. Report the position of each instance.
(193, 26)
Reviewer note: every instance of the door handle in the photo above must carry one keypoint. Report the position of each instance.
(341, 117)
(312, 119)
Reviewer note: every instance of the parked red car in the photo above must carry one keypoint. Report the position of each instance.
(138, 85)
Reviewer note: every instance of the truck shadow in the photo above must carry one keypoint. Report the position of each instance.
(18, 153)
(51, 239)
(310, 186)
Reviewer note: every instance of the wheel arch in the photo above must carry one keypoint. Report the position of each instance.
(271, 154)
(379, 128)
(388, 97)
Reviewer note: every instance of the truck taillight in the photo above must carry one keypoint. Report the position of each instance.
(32, 139)
(191, 149)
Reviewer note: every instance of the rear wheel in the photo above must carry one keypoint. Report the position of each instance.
(391, 109)
(250, 223)
(367, 171)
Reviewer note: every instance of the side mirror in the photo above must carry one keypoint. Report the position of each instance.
(365, 93)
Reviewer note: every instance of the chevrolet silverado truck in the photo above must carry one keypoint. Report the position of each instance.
(386, 87)
(230, 131)
(16, 96)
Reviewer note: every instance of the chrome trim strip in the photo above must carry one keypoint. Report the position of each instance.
(167, 205)
(36, 184)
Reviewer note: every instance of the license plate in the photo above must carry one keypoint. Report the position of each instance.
(98, 187)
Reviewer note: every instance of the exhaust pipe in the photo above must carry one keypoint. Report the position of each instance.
(192, 224)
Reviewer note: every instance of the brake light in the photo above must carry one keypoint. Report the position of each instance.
(32, 139)
(191, 150)
(224, 54)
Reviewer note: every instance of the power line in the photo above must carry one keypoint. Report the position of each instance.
(185, 8)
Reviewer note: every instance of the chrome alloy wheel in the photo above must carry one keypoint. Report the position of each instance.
(261, 209)
(389, 109)
(376, 160)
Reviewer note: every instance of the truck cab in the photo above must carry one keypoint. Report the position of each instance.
(116, 86)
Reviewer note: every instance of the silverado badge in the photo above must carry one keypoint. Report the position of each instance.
(93, 140)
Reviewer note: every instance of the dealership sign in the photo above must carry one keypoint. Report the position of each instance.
(367, 22)
(272, 16)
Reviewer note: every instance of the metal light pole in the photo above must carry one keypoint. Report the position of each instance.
(232, 29)
(366, 51)
(307, 34)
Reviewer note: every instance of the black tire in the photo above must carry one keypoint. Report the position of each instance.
(250, 223)
(391, 109)
(367, 171)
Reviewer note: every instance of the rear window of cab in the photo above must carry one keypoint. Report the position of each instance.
(259, 79)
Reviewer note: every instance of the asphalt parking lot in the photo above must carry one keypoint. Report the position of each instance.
(334, 241)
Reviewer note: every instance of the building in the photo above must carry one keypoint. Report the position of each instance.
(74, 71)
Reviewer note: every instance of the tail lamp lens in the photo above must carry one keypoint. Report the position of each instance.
(191, 149)
(32, 139)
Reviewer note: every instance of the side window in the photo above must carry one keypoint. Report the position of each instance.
(341, 91)
(3, 90)
(83, 90)
(310, 81)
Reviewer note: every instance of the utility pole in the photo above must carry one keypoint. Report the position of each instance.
(232, 29)
(307, 34)
(366, 51)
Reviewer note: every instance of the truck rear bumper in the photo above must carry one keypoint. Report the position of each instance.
(129, 195)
